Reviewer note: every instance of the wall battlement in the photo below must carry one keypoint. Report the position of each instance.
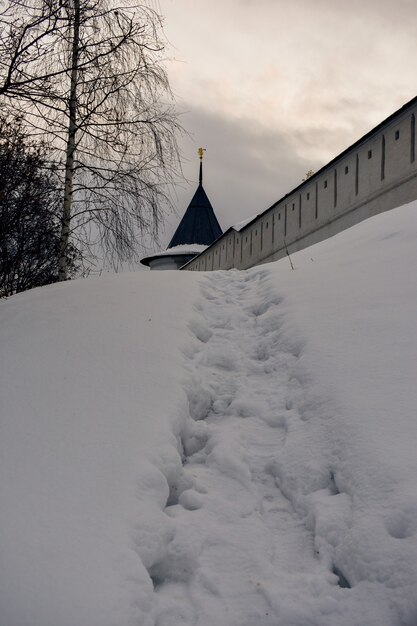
(377, 173)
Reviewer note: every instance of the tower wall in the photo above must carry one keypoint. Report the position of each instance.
(376, 174)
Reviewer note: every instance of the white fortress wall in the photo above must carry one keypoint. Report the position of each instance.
(376, 174)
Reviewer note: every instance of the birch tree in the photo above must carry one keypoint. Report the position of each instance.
(89, 75)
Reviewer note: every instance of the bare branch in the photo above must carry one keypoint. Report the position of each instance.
(88, 75)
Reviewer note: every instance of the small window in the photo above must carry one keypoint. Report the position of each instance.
(346, 169)
(266, 225)
(216, 252)
(223, 246)
(308, 195)
(279, 216)
(325, 184)
(369, 154)
(397, 135)
(246, 240)
(293, 206)
(237, 240)
(256, 233)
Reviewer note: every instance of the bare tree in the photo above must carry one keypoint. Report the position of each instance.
(29, 199)
(89, 75)
(308, 175)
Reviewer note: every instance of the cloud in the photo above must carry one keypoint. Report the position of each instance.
(273, 88)
(318, 74)
(247, 167)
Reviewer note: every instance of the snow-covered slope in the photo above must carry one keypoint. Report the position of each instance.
(235, 448)
(91, 396)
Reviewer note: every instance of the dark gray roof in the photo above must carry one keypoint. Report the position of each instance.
(199, 224)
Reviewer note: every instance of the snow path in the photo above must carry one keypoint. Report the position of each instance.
(225, 448)
(241, 554)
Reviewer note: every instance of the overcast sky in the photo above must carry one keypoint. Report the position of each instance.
(272, 88)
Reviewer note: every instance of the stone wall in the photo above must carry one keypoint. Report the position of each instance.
(376, 174)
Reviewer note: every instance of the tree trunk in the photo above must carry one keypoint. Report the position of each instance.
(70, 150)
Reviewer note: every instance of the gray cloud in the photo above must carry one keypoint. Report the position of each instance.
(274, 88)
(246, 167)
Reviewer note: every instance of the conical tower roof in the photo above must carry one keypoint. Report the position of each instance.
(199, 224)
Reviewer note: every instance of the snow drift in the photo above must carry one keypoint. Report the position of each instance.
(233, 448)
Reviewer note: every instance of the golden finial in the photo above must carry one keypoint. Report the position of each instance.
(200, 154)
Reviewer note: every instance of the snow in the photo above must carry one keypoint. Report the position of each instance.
(192, 248)
(241, 225)
(88, 405)
(232, 448)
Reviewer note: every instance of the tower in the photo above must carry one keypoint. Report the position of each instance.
(198, 229)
